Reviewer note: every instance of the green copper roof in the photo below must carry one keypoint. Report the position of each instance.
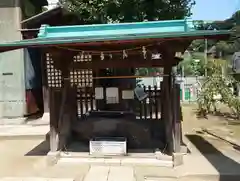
(113, 32)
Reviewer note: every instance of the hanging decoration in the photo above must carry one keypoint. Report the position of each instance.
(111, 52)
(144, 51)
(124, 54)
(102, 56)
(156, 56)
(110, 55)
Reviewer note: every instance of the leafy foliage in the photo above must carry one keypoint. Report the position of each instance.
(108, 11)
(189, 66)
(217, 88)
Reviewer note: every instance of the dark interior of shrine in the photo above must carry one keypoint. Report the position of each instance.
(138, 121)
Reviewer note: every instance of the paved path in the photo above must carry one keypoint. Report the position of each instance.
(95, 173)
(110, 173)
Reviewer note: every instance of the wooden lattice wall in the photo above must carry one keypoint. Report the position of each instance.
(54, 76)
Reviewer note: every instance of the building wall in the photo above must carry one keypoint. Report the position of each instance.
(12, 86)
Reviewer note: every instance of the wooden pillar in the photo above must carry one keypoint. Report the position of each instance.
(60, 112)
(67, 109)
(176, 117)
(54, 133)
(65, 115)
(179, 113)
(45, 90)
(171, 112)
(167, 108)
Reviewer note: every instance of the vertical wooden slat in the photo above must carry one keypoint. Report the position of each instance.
(86, 99)
(81, 102)
(145, 105)
(140, 109)
(156, 102)
(150, 95)
(73, 96)
(150, 107)
(91, 99)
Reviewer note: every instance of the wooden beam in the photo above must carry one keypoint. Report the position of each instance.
(124, 63)
(141, 42)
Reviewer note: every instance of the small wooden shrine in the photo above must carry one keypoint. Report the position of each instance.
(90, 73)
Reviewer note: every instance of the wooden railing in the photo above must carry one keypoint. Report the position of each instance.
(149, 108)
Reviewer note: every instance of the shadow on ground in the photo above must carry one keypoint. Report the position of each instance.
(234, 145)
(229, 170)
(41, 150)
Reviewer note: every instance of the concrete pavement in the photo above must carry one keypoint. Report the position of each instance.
(34, 179)
(23, 131)
(113, 173)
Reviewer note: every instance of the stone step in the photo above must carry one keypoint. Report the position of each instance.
(161, 179)
(34, 179)
(117, 161)
(23, 132)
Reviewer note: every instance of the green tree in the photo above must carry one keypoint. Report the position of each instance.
(192, 64)
(217, 84)
(107, 11)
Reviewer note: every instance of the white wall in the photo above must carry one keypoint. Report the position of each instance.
(12, 86)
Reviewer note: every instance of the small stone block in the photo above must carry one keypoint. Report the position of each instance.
(160, 156)
(52, 158)
(177, 159)
(184, 150)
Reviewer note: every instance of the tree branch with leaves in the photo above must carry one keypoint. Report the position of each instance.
(217, 88)
(109, 11)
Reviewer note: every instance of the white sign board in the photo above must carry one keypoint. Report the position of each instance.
(112, 95)
(127, 94)
(99, 93)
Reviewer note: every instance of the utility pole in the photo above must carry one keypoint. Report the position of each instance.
(205, 55)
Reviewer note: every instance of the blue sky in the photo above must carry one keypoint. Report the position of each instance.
(214, 9)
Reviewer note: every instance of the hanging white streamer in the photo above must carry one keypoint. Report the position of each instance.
(102, 56)
(144, 52)
(125, 54)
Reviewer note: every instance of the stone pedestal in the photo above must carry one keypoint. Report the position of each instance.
(177, 159)
(53, 157)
